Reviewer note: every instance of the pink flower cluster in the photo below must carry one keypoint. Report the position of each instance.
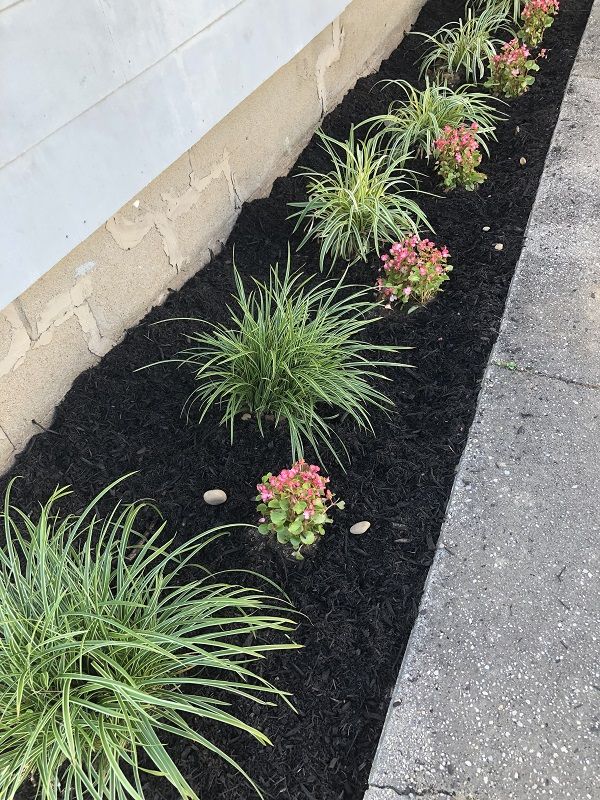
(512, 55)
(537, 15)
(545, 6)
(294, 505)
(301, 483)
(510, 69)
(458, 156)
(460, 140)
(413, 270)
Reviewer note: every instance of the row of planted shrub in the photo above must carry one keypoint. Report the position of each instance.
(293, 351)
(105, 641)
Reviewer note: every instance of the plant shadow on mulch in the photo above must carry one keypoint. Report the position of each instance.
(360, 595)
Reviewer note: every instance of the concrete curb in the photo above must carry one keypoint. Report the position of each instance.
(498, 695)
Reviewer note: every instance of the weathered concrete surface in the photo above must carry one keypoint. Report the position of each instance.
(553, 318)
(499, 693)
(392, 794)
(587, 55)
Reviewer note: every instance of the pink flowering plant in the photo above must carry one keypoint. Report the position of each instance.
(537, 15)
(458, 156)
(413, 271)
(294, 505)
(510, 70)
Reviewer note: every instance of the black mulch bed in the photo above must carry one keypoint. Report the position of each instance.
(360, 594)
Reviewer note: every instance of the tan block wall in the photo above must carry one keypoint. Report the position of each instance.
(82, 307)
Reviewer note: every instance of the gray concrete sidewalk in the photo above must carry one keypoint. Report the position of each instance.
(499, 692)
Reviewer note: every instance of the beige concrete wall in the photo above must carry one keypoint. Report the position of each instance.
(82, 307)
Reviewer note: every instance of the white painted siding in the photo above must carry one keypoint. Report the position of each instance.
(98, 97)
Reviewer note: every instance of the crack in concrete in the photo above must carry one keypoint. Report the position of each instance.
(7, 437)
(97, 344)
(23, 317)
(237, 200)
(540, 373)
(32, 334)
(585, 75)
(128, 233)
(326, 59)
(20, 340)
(409, 791)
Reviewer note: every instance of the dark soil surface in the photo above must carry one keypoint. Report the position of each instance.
(360, 594)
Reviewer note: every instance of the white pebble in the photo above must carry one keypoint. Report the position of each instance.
(246, 417)
(485, 228)
(498, 246)
(360, 527)
(214, 497)
(522, 161)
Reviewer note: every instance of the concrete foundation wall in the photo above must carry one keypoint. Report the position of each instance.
(78, 310)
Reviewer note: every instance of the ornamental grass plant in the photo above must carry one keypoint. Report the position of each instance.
(292, 351)
(109, 641)
(416, 121)
(464, 47)
(360, 203)
(509, 8)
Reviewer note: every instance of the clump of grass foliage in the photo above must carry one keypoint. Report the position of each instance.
(509, 8)
(361, 203)
(105, 645)
(465, 46)
(418, 120)
(292, 352)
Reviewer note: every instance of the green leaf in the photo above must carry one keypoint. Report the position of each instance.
(295, 526)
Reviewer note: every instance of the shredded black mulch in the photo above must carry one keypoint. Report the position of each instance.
(359, 594)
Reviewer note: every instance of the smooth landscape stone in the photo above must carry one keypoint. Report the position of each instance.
(360, 527)
(215, 497)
